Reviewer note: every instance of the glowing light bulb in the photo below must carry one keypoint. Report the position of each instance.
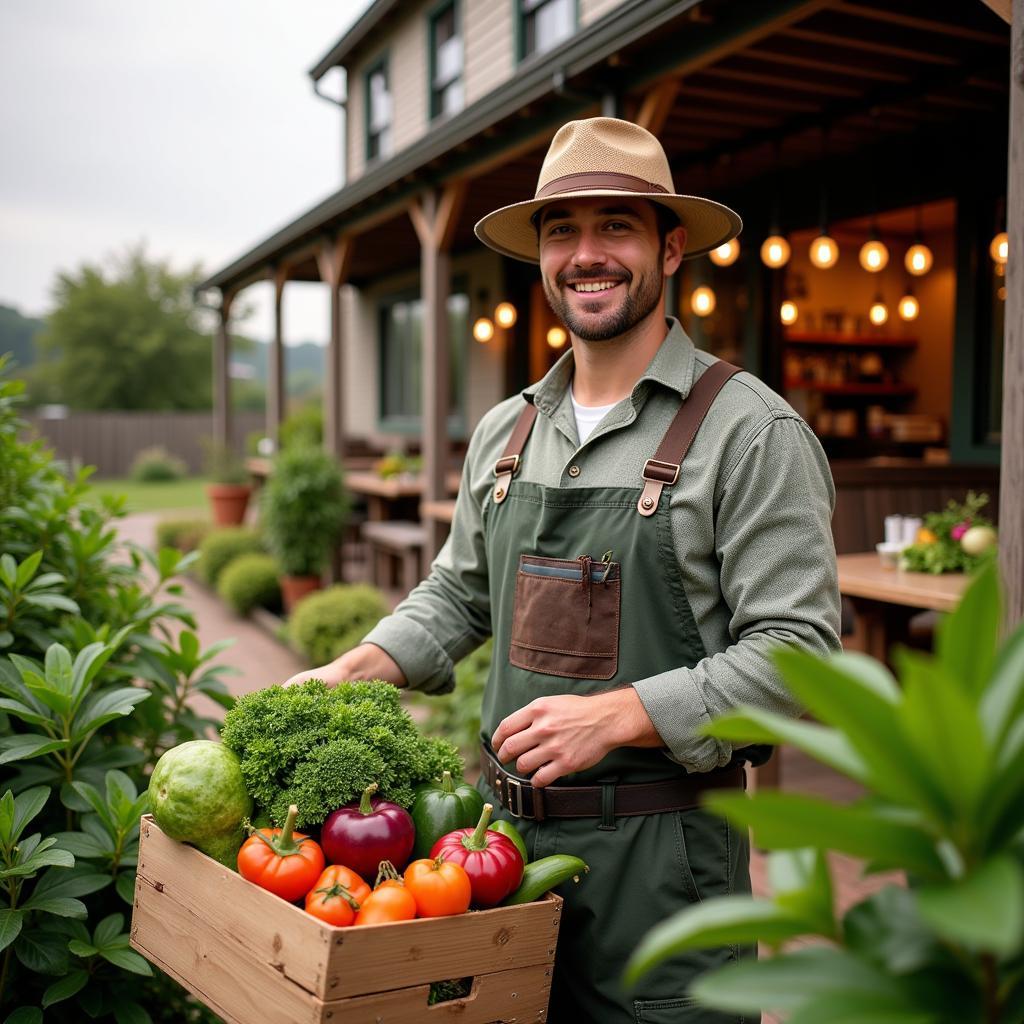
(702, 302)
(918, 260)
(1000, 247)
(483, 330)
(824, 252)
(727, 254)
(788, 312)
(557, 337)
(908, 307)
(775, 251)
(879, 313)
(505, 314)
(873, 256)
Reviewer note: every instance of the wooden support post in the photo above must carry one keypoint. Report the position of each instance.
(275, 360)
(1011, 476)
(435, 216)
(221, 381)
(333, 258)
(657, 105)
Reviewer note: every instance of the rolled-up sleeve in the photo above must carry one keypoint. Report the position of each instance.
(773, 541)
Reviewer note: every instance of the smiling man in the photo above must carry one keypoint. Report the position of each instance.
(637, 531)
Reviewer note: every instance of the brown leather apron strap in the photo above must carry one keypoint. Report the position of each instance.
(663, 469)
(508, 465)
(522, 800)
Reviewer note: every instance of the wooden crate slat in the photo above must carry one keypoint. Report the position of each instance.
(364, 959)
(222, 974)
(275, 932)
(519, 995)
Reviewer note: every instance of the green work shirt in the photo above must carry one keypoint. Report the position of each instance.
(750, 518)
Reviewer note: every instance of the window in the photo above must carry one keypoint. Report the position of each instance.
(401, 348)
(544, 24)
(446, 92)
(378, 112)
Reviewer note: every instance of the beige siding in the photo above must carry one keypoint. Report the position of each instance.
(490, 40)
(408, 69)
(355, 126)
(592, 10)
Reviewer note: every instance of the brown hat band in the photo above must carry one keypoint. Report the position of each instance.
(596, 179)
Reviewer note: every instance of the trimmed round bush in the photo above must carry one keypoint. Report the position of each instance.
(222, 546)
(250, 581)
(334, 620)
(156, 465)
(184, 534)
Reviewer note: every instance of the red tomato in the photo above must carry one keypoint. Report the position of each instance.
(284, 862)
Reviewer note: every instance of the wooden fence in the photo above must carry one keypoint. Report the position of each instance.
(110, 441)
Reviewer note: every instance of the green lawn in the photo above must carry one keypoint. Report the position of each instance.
(172, 494)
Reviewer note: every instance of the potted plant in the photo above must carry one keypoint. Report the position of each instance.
(304, 510)
(229, 487)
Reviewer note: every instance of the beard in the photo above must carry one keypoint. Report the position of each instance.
(634, 308)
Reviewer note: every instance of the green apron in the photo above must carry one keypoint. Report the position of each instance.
(586, 596)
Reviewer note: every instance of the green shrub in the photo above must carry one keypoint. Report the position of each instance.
(93, 692)
(222, 546)
(184, 534)
(303, 428)
(334, 620)
(222, 464)
(251, 581)
(304, 509)
(157, 464)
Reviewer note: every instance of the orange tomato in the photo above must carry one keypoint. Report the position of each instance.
(439, 888)
(339, 875)
(925, 536)
(390, 901)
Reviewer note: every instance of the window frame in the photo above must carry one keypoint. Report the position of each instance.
(519, 20)
(434, 15)
(382, 63)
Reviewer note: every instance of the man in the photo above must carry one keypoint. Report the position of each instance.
(637, 535)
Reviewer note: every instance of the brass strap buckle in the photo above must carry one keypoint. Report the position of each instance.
(509, 783)
(661, 472)
(507, 464)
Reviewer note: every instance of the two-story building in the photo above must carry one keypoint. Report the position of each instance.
(864, 143)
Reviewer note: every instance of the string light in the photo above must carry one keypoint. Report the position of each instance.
(483, 330)
(788, 312)
(557, 337)
(775, 252)
(505, 314)
(874, 256)
(824, 252)
(919, 259)
(702, 302)
(999, 250)
(726, 255)
(908, 307)
(879, 312)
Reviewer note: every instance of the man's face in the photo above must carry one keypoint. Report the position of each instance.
(602, 263)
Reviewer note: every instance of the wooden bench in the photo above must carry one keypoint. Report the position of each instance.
(395, 541)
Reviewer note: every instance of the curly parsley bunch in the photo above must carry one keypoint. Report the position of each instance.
(319, 748)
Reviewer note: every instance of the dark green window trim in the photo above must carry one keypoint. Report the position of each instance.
(411, 424)
(519, 23)
(381, 64)
(433, 96)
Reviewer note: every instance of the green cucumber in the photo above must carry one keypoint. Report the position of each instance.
(507, 829)
(545, 874)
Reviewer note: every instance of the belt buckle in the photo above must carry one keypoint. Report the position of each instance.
(509, 783)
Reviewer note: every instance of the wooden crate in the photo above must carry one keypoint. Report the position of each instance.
(250, 956)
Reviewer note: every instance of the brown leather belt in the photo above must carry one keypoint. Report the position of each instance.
(522, 800)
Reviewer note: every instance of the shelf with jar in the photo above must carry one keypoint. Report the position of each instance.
(846, 370)
(810, 338)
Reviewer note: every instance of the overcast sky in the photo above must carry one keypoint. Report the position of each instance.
(189, 125)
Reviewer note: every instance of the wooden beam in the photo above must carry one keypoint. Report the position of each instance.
(275, 358)
(221, 376)
(1011, 476)
(1002, 7)
(334, 258)
(949, 28)
(849, 42)
(657, 105)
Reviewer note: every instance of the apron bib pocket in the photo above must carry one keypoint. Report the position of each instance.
(565, 617)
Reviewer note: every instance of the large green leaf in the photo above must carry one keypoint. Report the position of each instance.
(968, 637)
(860, 1008)
(87, 665)
(25, 1015)
(24, 712)
(51, 602)
(887, 929)
(719, 922)
(849, 694)
(983, 911)
(10, 926)
(22, 747)
(28, 569)
(753, 725)
(131, 1013)
(127, 959)
(792, 820)
(78, 881)
(940, 719)
(58, 668)
(72, 983)
(42, 951)
(25, 808)
(108, 930)
(802, 885)
(1002, 804)
(99, 708)
(1003, 700)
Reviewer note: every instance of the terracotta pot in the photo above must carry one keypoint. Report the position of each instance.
(229, 502)
(295, 588)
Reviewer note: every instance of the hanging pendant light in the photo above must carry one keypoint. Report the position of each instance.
(919, 258)
(999, 249)
(702, 301)
(505, 314)
(908, 306)
(726, 255)
(557, 337)
(788, 312)
(824, 251)
(483, 329)
(775, 252)
(879, 312)
(873, 254)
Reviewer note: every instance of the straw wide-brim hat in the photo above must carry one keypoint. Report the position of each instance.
(603, 156)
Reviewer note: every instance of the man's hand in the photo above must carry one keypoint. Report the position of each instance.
(367, 661)
(554, 736)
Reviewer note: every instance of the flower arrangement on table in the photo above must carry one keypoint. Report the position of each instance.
(398, 464)
(958, 539)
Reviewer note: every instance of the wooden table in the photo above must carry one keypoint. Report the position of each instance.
(885, 600)
(386, 495)
(443, 511)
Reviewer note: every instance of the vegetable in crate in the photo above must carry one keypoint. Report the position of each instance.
(492, 861)
(389, 901)
(545, 874)
(506, 828)
(439, 888)
(198, 796)
(337, 895)
(318, 747)
(440, 808)
(362, 834)
(281, 860)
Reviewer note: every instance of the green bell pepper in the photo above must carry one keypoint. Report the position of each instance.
(441, 807)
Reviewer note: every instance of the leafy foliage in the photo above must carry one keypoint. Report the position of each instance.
(944, 553)
(941, 757)
(318, 748)
(304, 427)
(305, 506)
(91, 689)
(251, 581)
(184, 534)
(332, 621)
(221, 546)
(157, 464)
